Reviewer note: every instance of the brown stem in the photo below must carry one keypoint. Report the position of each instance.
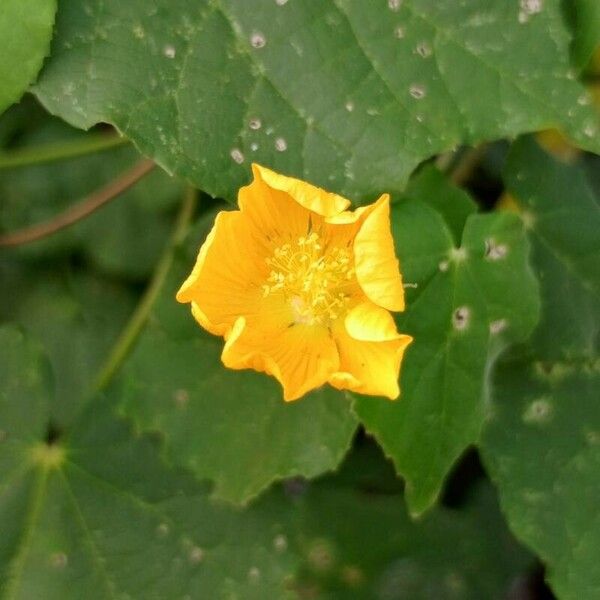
(80, 210)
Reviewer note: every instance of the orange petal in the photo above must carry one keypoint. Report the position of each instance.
(273, 214)
(226, 280)
(368, 322)
(377, 268)
(300, 357)
(340, 230)
(310, 197)
(369, 367)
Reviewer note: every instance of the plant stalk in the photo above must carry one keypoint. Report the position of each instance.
(78, 211)
(138, 319)
(48, 153)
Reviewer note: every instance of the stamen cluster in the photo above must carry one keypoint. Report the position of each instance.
(314, 279)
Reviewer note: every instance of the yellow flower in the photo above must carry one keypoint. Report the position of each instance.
(301, 288)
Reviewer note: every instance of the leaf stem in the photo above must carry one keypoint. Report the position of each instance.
(133, 328)
(48, 153)
(80, 210)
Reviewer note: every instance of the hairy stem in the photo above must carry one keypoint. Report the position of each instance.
(48, 153)
(79, 211)
(135, 324)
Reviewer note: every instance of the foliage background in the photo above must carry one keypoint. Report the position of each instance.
(133, 465)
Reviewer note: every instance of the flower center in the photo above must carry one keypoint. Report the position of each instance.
(315, 281)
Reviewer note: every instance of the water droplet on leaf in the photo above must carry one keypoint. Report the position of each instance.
(237, 156)
(257, 40)
(280, 543)
(590, 130)
(169, 51)
(494, 251)
(196, 555)
(584, 99)
(423, 49)
(461, 318)
(417, 91)
(138, 31)
(539, 411)
(531, 7)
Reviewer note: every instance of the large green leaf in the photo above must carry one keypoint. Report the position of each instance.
(124, 238)
(351, 95)
(472, 298)
(587, 30)
(98, 516)
(559, 207)
(542, 438)
(360, 544)
(230, 426)
(77, 317)
(24, 410)
(25, 32)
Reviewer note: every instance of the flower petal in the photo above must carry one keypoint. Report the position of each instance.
(273, 214)
(377, 268)
(368, 322)
(226, 279)
(306, 195)
(350, 217)
(369, 367)
(301, 357)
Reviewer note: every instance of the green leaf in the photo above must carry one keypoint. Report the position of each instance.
(559, 207)
(361, 543)
(125, 237)
(348, 94)
(24, 410)
(25, 31)
(542, 438)
(97, 515)
(232, 427)
(454, 204)
(587, 30)
(77, 317)
(470, 301)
